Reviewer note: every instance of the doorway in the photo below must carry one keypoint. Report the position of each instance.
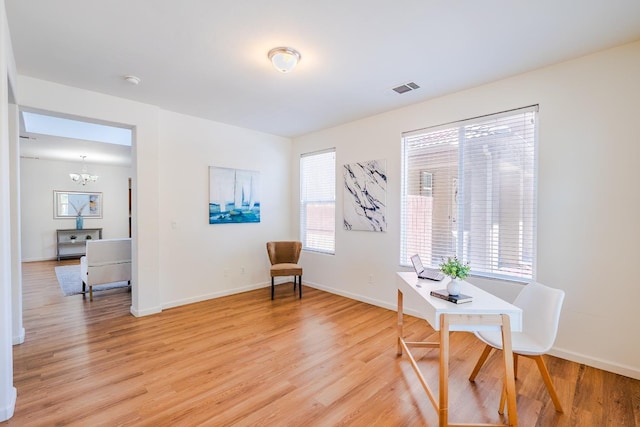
(59, 153)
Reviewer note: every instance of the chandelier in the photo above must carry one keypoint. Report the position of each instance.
(84, 176)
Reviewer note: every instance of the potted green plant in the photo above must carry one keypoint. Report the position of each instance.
(457, 271)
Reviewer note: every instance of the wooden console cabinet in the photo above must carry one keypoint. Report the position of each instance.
(71, 243)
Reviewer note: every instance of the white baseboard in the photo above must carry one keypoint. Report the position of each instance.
(19, 339)
(7, 411)
(212, 295)
(146, 312)
(594, 362)
(226, 292)
(356, 297)
(38, 259)
(628, 371)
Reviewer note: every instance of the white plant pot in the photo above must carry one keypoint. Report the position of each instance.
(454, 286)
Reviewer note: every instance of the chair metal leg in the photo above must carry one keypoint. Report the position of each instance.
(272, 287)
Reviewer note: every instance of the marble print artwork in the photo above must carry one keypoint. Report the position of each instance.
(365, 194)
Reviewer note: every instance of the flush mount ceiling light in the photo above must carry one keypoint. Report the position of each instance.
(284, 59)
(84, 176)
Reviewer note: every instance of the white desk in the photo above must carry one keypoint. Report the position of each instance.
(485, 312)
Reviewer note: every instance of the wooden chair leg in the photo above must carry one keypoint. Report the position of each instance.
(542, 367)
(294, 283)
(503, 398)
(547, 380)
(84, 290)
(483, 358)
(300, 285)
(272, 287)
(90, 293)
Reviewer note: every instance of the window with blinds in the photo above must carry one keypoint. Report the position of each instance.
(318, 201)
(469, 190)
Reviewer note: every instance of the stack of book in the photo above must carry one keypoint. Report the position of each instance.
(456, 299)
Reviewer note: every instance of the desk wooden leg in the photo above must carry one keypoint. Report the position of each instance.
(443, 406)
(400, 322)
(509, 380)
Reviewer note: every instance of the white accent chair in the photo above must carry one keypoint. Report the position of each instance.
(106, 261)
(541, 306)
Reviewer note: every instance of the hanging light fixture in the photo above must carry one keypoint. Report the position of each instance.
(84, 176)
(284, 59)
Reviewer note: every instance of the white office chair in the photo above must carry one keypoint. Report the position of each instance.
(541, 306)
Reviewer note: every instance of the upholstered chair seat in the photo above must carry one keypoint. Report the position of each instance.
(106, 261)
(284, 256)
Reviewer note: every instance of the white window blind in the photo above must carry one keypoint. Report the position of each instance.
(469, 190)
(318, 201)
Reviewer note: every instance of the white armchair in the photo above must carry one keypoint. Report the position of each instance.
(106, 261)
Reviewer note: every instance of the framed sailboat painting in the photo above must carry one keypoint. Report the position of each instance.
(234, 195)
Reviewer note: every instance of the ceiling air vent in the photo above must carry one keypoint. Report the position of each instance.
(406, 87)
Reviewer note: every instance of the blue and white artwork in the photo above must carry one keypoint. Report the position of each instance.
(234, 196)
(365, 196)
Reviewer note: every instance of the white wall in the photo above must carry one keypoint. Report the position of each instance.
(190, 262)
(143, 119)
(172, 153)
(588, 200)
(39, 178)
(199, 260)
(7, 390)
(587, 209)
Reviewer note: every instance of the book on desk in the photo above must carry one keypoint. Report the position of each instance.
(456, 299)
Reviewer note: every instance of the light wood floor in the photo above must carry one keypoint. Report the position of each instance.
(245, 360)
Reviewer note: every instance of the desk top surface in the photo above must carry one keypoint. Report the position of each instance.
(431, 307)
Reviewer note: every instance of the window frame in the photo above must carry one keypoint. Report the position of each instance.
(319, 200)
(529, 217)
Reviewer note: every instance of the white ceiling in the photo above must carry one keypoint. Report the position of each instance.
(36, 146)
(47, 136)
(208, 58)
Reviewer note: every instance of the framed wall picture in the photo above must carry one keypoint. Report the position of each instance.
(234, 195)
(69, 204)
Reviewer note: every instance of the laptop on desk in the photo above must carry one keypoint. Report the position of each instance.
(425, 273)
